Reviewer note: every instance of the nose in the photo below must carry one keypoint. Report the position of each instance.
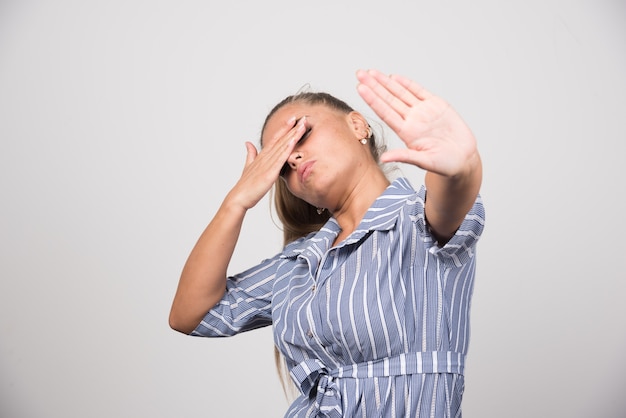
(294, 158)
(291, 163)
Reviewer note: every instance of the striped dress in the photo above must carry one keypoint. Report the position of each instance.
(377, 326)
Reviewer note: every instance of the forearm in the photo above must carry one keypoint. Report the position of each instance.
(449, 198)
(203, 280)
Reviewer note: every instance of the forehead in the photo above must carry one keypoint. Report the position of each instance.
(278, 121)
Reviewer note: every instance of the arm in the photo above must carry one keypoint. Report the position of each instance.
(449, 198)
(203, 280)
(437, 140)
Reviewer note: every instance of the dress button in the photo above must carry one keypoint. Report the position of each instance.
(313, 288)
(309, 334)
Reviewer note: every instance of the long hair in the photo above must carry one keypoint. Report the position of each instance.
(298, 217)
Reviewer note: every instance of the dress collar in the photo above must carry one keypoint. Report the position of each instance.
(381, 216)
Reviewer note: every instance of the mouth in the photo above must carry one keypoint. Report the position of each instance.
(304, 171)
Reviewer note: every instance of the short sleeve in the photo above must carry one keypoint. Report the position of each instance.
(246, 305)
(461, 247)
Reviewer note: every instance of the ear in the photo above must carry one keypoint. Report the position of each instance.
(359, 124)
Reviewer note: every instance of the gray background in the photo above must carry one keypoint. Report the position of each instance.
(122, 125)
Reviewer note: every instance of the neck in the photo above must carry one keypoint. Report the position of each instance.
(365, 191)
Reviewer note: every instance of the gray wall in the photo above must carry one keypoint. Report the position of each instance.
(122, 125)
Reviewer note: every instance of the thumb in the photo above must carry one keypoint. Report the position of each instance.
(252, 152)
(402, 156)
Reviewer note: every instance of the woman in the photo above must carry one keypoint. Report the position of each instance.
(370, 302)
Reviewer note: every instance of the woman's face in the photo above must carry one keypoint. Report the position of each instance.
(327, 159)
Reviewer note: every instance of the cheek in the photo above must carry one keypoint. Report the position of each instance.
(289, 181)
(294, 187)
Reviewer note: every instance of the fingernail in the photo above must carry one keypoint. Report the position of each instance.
(300, 123)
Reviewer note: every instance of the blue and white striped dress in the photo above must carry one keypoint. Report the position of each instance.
(377, 326)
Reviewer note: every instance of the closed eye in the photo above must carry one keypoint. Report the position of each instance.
(305, 135)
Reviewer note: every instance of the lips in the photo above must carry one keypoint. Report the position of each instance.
(304, 170)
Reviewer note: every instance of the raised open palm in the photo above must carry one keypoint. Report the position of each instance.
(436, 137)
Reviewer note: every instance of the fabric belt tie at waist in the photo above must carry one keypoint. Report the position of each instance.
(313, 373)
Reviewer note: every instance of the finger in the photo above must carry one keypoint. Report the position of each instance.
(392, 93)
(292, 133)
(300, 129)
(415, 88)
(287, 125)
(399, 90)
(288, 141)
(386, 113)
(277, 152)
